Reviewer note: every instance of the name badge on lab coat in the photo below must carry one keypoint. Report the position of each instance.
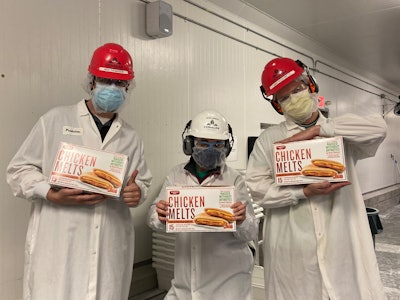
(68, 130)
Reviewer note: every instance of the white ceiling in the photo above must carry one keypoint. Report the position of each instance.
(363, 32)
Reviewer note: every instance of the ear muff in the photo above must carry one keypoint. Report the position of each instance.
(312, 83)
(273, 102)
(188, 144)
(187, 141)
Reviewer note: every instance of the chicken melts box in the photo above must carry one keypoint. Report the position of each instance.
(200, 209)
(88, 169)
(310, 161)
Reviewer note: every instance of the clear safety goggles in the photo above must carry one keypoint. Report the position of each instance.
(297, 89)
(205, 144)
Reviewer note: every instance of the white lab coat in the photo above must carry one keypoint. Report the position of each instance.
(211, 265)
(319, 247)
(75, 252)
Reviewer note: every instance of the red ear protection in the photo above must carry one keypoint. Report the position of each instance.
(273, 102)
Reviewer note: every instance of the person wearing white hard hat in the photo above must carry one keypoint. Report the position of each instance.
(209, 265)
(317, 241)
(80, 245)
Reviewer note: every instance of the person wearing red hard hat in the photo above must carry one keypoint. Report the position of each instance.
(80, 245)
(109, 79)
(317, 242)
(284, 77)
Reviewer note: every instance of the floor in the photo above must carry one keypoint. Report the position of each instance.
(387, 247)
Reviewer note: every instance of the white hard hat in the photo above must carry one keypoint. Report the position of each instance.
(209, 124)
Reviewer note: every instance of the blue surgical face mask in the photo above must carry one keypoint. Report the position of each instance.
(208, 158)
(108, 98)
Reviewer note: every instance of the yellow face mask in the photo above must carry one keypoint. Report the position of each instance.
(299, 106)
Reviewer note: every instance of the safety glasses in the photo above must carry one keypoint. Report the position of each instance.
(206, 144)
(120, 83)
(297, 89)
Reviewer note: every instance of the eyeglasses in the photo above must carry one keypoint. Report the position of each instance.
(301, 87)
(120, 83)
(206, 144)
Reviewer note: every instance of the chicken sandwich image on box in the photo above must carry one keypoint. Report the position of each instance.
(88, 169)
(310, 161)
(200, 209)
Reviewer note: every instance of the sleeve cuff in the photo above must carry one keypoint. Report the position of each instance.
(42, 189)
(299, 193)
(327, 129)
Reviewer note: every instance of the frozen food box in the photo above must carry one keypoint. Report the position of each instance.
(310, 161)
(88, 169)
(200, 209)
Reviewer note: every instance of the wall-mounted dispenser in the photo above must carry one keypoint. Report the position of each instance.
(158, 19)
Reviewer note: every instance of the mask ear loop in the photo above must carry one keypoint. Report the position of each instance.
(273, 102)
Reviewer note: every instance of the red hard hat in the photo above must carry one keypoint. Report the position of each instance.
(113, 62)
(278, 73)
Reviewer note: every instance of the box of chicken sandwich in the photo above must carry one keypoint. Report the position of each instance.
(200, 209)
(310, 161)
(88, 169)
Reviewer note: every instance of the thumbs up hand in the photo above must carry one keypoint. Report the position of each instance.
(132, 193)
